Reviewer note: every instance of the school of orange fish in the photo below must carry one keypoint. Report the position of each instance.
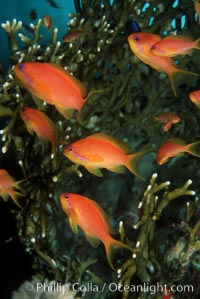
(54, 85)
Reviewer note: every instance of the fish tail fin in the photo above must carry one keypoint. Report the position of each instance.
(193, 148)
(89, 102)
(197, 43)
(18, 188)
(111, 245)
(80, 116)
(14, 198)
(14, 195)
(134, 162)
(93, 92)
(177, 77)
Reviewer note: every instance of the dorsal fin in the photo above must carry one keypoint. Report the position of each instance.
(78, 85)
(176, 140)
(110, 139)
(105, 217)
(179, 38)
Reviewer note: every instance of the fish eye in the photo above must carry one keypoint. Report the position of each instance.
(136, 38)
(67, 196)
(21, 66)
(70, 148)
(153, 47)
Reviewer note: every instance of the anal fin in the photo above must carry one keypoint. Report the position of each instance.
(66, 112)
(94, 242)
(95, 171)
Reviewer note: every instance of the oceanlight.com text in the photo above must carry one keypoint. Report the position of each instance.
(55, 287)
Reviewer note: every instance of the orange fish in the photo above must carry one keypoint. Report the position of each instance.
(101, 151)
(47, 21)
(171, 46)
(195, 97)
(91, 218)
(38, 122)
(141, 43)
(197, 9)
(73, 35)
(9, 187)
(176, 147)
(52, 84)
(168, 119)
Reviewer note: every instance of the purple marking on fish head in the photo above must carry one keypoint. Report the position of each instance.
(22, 68)
(68, 198)
(136, 38)
(157, 49)
(70, 150)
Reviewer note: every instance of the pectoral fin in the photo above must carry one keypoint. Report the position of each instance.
(39, 103)
(29, 129)
(73, 225)
(94, 242)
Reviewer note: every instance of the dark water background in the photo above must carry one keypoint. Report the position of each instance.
(16, 265)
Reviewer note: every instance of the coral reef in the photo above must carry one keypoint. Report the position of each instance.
(159, 220)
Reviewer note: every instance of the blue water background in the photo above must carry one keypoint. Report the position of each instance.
(20, 10)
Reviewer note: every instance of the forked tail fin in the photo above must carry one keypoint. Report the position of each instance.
(134, 160)
(111, 245)
(197, 43)
(193, 149)
(89, 102)
(177, 77)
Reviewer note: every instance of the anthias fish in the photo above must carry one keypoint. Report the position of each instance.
(171, 46)
(33, 14)
(176, 147)
(102, 151)
(9, 187)
(91, 218)
(73, 35)
(38, 122)
(141, 43)
(168, 119)
(195, 97)
(53, 84)
(47, 21)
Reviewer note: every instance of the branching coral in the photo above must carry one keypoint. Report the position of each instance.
(11, 30)
(145, 263)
